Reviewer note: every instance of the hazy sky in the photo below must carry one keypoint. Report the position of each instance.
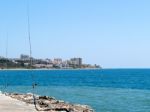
(112, 33)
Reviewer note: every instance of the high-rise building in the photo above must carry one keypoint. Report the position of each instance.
(76, 62)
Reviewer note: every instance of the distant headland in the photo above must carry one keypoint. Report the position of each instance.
(27, 62)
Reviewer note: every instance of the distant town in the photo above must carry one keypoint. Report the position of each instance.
(25, 62)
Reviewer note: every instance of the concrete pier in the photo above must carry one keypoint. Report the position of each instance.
(8, 104)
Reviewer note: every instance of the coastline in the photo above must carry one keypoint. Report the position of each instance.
(22, 69)
(32, 103)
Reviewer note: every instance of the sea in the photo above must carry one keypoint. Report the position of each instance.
(105, 90)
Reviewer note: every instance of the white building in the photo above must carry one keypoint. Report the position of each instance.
(57, 61)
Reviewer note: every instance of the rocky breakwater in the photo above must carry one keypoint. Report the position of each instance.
(50, 104)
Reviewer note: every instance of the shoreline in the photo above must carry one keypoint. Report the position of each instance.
(32, 103)
(21, 69)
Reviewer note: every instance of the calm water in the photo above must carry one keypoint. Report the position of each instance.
(111, 90)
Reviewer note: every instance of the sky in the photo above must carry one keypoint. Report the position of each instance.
(111, 33)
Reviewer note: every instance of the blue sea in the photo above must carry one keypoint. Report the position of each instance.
(107, 90)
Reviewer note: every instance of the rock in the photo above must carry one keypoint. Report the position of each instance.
(50, 104)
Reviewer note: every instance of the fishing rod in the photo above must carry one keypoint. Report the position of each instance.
(31, 61)
(34, 84)
(6, 63)
(6, 59)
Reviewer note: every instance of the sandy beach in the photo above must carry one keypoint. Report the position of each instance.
(8, 104)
